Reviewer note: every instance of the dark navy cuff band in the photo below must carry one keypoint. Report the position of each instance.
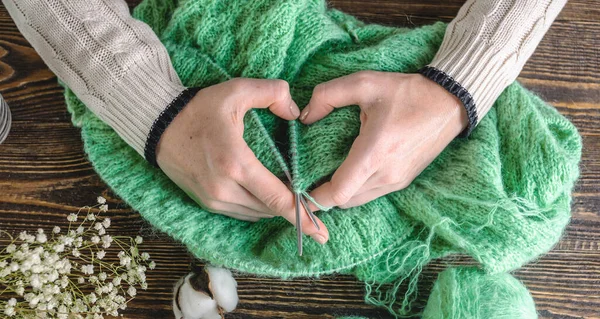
(449, 84)
(164, 119)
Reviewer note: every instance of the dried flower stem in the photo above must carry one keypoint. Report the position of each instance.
(66, 276)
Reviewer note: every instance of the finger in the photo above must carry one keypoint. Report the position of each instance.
(363, 198)
(276, 196)
(349, 177)
(272, 94)
(340, 92)
(375, 181)
(242, 197)
(235, 211)
(236, 216)
(225, 208)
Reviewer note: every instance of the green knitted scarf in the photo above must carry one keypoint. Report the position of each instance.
(501, 196)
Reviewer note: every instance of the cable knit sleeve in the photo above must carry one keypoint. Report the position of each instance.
(487, 44)
(114, 63)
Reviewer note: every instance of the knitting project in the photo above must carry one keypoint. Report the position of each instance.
(502, 196)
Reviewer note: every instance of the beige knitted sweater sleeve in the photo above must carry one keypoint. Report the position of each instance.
(115, 64)
(487, 44)
(118, 67)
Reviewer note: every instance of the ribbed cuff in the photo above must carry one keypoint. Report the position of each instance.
(163, 120)
(456, 89)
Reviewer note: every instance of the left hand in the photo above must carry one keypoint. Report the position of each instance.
(406, 122)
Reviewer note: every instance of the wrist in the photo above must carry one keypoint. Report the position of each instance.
(466, 116)
(161, 123)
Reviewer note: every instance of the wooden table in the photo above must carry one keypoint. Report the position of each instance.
(44, 174)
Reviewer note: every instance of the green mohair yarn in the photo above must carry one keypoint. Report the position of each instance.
(501, 196)
(471, 293)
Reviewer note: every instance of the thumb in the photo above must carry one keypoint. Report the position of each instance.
(340, 92)
(272, 94)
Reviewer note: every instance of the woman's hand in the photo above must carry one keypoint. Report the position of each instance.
(406, 121)
(204, 153)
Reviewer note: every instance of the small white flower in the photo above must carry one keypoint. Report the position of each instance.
(91, 216)
(87, 269)
(3, 264)
(95, 239)
(98, 226)
(92, 297)
(104, 208)
(11, 248)
(56, 229)
(116, 281)
(67, 240)
(9, 311)
(5, 272)
(20, 290)
(80, 230)
(106, 240)
(72, 217)
(138, 239)
(152, 265)
(59, 248)
(81, 280)
(101, 200)
(125, 261)
(145, 256)
(41, 238)
(34, 301)
(76, 253)
(102, 231)
(106, 222)
(131, 291)
(100, 254)
(102, 276)
(12, 302)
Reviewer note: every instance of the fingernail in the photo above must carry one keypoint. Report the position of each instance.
(319, 238)
(295, 111)
(304, 114)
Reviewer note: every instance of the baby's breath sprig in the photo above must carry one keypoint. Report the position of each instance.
(71, 273)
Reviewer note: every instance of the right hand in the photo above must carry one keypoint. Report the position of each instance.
(204, 153)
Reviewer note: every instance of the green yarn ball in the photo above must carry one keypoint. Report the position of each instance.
(470, 293)
(502, 196)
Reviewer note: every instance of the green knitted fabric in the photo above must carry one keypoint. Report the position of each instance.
(471, 293)
(501, 196)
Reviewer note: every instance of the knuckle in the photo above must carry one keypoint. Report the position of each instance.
(389, 179)
(282, 89)
(217, 194)
(237, 84)
(403, 183)
(211, 204)
(276, 203)
(282, 85)
(319, 92)
(365, 78)
(228, 167)
(340, 197)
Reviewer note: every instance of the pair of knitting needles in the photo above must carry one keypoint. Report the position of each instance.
(300, 200)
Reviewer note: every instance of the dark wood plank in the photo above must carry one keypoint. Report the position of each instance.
(44, 174)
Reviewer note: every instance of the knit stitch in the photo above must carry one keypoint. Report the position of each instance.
(502, 196)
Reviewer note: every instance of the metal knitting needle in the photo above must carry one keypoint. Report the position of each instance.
(310, 213)
(298, 225)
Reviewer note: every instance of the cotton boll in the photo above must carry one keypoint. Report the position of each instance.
(189, 303)
(223, 287)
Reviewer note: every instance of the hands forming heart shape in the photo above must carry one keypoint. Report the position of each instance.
(406, 121)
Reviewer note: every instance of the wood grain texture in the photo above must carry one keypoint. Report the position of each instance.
(44, 174)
